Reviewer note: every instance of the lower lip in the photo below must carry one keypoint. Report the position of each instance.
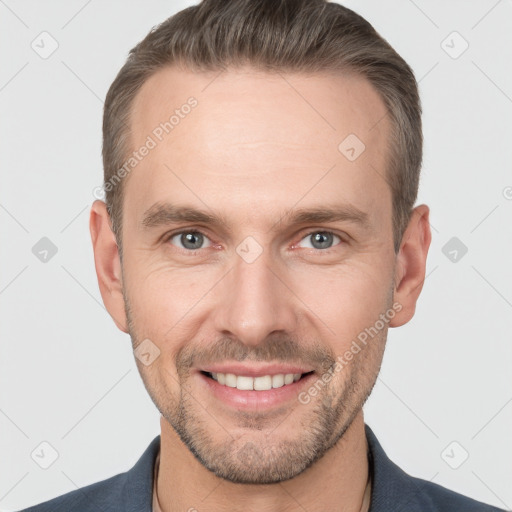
(256, 400)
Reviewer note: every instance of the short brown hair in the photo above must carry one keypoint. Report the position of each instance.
(273, 35)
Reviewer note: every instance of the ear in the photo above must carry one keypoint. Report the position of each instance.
(411, 264)
(108, 263)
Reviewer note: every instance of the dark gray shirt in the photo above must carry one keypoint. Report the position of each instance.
(393, 490)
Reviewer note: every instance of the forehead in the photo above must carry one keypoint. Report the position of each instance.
(252, 135)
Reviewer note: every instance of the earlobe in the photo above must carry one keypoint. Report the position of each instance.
(107, 263)
(411, 264)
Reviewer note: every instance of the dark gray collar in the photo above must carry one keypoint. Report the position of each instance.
(392, 488)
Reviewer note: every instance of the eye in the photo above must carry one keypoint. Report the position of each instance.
(320, 239)
(189, 240)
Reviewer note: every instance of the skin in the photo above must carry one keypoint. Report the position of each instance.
(256, 148)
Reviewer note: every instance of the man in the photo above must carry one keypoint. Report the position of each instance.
(259, 237)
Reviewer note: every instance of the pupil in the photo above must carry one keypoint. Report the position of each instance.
(191, 240)
(322, 239)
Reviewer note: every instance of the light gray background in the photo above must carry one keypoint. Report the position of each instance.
(68, 376)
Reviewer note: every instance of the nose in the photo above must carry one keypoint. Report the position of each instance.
(254, 301)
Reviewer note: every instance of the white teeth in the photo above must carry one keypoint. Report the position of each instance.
(231, 380)
(263, 383)
(244, 383)
(278, 381)
(288, 378)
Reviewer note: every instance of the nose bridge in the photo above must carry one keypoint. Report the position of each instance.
(254, 301)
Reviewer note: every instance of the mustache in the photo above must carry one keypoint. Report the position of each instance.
(276, 348)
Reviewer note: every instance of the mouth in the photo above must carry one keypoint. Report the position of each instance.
(255, 389)
(259, 383)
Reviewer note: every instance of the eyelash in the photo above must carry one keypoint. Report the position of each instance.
(170, 236)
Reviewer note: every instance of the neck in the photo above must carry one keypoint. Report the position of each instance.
(335, 482)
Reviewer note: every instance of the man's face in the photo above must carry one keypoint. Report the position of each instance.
(262, 294)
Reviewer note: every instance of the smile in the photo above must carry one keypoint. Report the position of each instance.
(261, 383)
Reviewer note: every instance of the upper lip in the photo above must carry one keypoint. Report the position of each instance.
(255, 370)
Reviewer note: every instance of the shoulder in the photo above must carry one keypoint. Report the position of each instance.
(98, 496)
(434, 497)
(128, 491)
(394, 490)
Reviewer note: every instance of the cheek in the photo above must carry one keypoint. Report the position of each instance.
(346, 299)
(162, 296)
(167, 307)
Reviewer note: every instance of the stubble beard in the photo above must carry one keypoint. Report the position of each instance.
(261, 455)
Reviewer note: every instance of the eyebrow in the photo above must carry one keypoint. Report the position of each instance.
(162, 214)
